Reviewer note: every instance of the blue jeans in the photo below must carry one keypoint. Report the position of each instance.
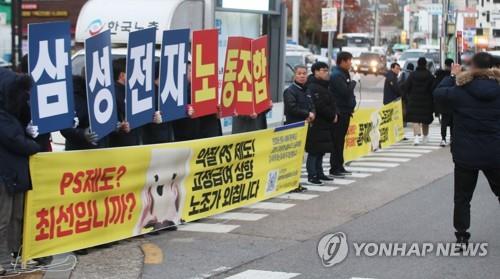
(314, 165)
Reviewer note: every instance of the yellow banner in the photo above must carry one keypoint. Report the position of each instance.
(371, 129)
(86, 198)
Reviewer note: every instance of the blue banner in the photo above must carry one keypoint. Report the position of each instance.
(51, 101)
(100, 84)
(140, 89)
(173, 95)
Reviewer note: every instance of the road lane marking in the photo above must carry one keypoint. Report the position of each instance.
(297, 196)
(361, 169)
(204, 227)
(271, 206)
(407, 150)
(373, 164)
(239, 216)
(383, 159)
(262, 274)
(389, 154)
(320, 188)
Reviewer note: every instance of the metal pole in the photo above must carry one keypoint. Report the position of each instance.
(295, 20)
(410, 29)
(330, 41)
(377, 24)
(446, 7)
(13, 33)
(341, 23)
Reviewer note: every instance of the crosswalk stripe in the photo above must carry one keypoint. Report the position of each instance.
(239, 216)
(340, 181)
(259, 274)
(408, 150)
(320, 188)
(419, 147)
(361, 169)
(359, 175)
(384, 159)
(411, 155)
(271, 206)
(204, 227)
(297, 196)
(373, 164)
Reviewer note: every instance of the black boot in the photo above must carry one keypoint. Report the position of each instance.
(462, 240)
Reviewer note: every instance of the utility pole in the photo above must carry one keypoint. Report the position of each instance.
(444, 41)
(16, 33)
(341, 23)
(330, 40)
(410, 28)
(295, 20)
(377, 24)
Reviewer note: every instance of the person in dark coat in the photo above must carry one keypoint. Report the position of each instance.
(342, 89)
(80, 137)
(420, 107)
(187, 128)
(123, 136)
(444, 109)
(391, 86)
(319, 138)
(403, 77)
(298, 104)
(474, 98)
(157, 131)
(16, 145)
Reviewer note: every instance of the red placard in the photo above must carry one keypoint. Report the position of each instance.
(204, 85)
(260, 74)
(237, 87)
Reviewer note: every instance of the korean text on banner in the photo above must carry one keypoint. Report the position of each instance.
(100, 85)
(204, 86)
(51, 100)
(87, 198)
(260, 74)
(140, 87)
(372, 129)
(237, 87)
(173, 96)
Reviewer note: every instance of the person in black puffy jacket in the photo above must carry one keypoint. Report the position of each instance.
(17, 144)
(319, 138)
(474, 98)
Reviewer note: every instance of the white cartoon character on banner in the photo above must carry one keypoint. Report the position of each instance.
(164, 194)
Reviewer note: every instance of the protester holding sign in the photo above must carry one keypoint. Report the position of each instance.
(158, 131)
(80, 137)
(124, 136)
(319, 138)
(16, 145)
(254, 122)
(187, 128)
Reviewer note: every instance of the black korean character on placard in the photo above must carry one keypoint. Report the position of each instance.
(205, 202)
(236, 194)
(244, 170)
(113, 27)
(153, 24)
(137, 26)
(216, 195)
(245, 150)
(208, 156)
(194, 206)
(253, 189)
(227, 196)
(126, 26)
(225, 155)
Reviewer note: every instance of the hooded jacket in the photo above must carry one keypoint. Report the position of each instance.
(474, 98)
(319, 138)
(15, 145)
(391, 87)
(418, 88)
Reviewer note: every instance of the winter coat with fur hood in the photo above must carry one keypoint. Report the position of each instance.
(474, 97)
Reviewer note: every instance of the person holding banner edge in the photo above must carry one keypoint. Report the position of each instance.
(16, 145)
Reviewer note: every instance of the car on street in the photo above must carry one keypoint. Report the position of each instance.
(431, 65)
(371, 63)
(411, 54)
